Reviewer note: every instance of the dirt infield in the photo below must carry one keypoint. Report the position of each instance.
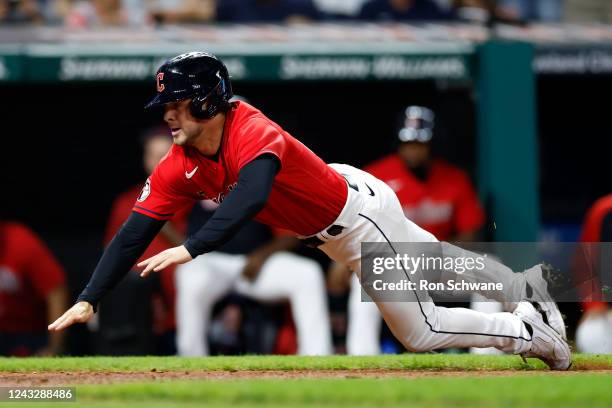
(74, 378)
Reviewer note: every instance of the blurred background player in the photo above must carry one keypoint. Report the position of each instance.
(434, 194)
(256, 265)
(138, 318)
(33, 293)
(594, 331)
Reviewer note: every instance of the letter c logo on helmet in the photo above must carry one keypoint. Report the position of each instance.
(198, 76)
(160, 78)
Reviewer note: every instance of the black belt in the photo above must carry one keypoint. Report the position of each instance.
(315, 241)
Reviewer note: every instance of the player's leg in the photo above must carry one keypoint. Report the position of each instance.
(420, 325)
(364, 322)
(417, 322)
(375, 215)
(199, 284)
(531, 285)
(385, 202)
(300, 280)
(494, 271)
(523, 332)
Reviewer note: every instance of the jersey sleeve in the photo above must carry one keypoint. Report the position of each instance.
(44, 271)
(258, 136)
(469, 215)
(163, 194)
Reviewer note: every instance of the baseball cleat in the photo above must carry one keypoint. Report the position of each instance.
(546, 343)
(542, 281)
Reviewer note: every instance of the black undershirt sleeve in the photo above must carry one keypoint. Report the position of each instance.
(246, 200)
(243, 203)
(127, 246)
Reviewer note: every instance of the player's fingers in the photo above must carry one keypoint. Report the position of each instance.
(146, 272)
(148, 264)
(167, 262)
(153, 262)
(151, 259)
(64, 321)
(53, 325)
(57, 322)
(145, 262)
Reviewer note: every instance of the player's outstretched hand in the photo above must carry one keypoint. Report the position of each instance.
(172, 256)
(81, 312)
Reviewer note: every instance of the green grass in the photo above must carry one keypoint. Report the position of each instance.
(239, 363)
(574, 390)
(577, 389)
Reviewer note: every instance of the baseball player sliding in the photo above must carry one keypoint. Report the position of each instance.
(233, 154)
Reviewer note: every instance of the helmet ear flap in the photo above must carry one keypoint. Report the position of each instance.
(215, 101)
(196, 107)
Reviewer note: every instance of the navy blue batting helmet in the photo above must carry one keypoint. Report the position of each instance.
(198, 76)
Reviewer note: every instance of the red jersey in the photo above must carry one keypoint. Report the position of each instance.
(306, 196)
(122, 207)
(28, 273)
(445, 204)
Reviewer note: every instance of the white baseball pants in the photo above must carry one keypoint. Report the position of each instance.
(374, 214)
